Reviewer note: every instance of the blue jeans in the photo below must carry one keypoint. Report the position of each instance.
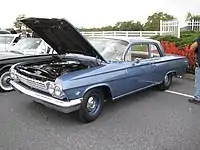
(197, 83)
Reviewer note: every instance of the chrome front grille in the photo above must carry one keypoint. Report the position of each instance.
(39, 85)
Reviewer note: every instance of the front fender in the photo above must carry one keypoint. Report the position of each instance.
(97, 86)
(79, 92)
(112, 76)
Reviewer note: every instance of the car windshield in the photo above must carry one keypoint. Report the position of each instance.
(27, 44)
(110, 49)
(6, 39)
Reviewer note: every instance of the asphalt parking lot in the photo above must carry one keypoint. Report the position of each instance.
(149, 120)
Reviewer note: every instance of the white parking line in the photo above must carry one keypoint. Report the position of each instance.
(177, 93)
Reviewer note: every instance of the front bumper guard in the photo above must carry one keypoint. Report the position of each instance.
(49, 101)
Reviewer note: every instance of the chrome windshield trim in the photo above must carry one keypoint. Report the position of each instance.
(46, 98)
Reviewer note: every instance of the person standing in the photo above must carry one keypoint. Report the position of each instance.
(196, 48)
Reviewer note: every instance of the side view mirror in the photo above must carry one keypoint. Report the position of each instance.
(137, 60)
(48, 50)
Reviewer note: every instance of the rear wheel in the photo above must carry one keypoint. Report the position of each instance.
(91, 105)
(5, 85)
(166, 82)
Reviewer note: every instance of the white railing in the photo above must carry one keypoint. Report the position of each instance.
(170, 27)
(193, 25)
(144, 34)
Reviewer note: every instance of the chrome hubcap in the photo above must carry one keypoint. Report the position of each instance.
(91, 104)
(166, 79)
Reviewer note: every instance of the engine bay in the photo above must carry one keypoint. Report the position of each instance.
(51, 71)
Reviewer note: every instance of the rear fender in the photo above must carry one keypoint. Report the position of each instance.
(173, 72)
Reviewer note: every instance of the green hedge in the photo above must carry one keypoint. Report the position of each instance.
(186, 37)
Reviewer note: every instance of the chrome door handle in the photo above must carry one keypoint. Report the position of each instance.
(153, 64)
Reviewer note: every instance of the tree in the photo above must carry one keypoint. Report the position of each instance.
(153, 21)
(119, 26)
(128, 26)
(190, 17)
(18, 24)
(107, 28)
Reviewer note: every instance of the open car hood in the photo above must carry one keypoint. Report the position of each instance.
(62, 36)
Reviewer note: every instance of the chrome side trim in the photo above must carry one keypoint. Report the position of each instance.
(48, 100)
(136, 90)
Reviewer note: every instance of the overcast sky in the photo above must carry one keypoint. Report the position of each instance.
(95, 13)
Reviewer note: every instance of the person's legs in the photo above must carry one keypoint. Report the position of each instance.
(197, 83)
(196, 98)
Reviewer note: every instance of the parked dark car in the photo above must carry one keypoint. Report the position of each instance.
(21, 51)
(5, 32)
(86, 72)
(31, 46)
(8, 40)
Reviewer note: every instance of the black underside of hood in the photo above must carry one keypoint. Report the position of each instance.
(62, 36)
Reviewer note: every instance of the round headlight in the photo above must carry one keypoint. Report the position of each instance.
(54, 89)
(51, 88)
(57, 91)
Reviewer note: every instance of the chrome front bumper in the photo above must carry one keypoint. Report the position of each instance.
(49, 101)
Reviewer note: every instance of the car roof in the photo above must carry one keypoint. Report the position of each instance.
(128, 39)
(13, 35)
(30, 38)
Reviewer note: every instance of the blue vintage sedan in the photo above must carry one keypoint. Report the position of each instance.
(84, 72)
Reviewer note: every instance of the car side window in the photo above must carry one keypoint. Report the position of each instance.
(140, 51)
(154, 50)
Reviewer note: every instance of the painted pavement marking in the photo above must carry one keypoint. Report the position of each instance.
(178, 93)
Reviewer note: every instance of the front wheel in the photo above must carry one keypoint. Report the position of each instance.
(91, 105)
(5, 85)
(166, 82)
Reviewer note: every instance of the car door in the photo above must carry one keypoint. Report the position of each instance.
(139, 72)
(157, 61)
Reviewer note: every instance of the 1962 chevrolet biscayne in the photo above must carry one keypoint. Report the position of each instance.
(87, 71)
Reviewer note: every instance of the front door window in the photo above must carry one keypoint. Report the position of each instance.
(137, 51)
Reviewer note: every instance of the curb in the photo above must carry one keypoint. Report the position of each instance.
(189, 77)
